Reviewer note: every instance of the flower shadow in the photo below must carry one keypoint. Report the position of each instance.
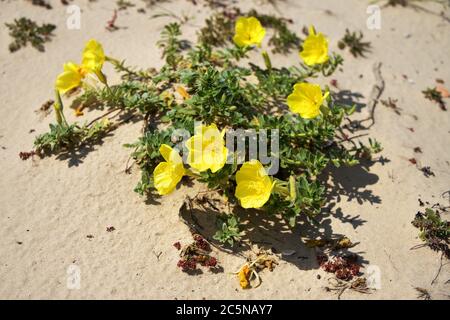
(267, 231)
(349, 98)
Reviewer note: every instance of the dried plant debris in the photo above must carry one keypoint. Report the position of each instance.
(426, 170)
(434, 231)
(355, 44)
(423, 293)
(111, 24)
(24, 155)
(41, 3)
(413, 3)
(359, 285)
(248, 273)
(344, 267)
(196, 253)
(434, 95)
(392, 104)
(333, 244)
(124, 5)
(45, 109)
(24, 31)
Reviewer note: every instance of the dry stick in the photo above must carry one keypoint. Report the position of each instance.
(358, 285)
(127, 167)
(102, 116)
(377, 90)
(439, 270)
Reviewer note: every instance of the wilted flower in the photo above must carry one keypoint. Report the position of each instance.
(243, 276)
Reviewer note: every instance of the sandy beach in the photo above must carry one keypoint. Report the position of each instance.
(55, 211)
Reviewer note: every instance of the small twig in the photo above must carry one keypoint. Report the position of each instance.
(423, 293)
(102, 116)
(358, 285)
(418, 246)
(111, 24)
(157, 255)
(127, 167)
(377, 90)
(439, 270)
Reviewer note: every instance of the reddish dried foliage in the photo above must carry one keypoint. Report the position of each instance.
(344, 268)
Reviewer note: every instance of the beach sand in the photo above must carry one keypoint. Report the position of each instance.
(49, 207)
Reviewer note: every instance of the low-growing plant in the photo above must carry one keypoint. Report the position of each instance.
(211, 86)
(353, 41)
(24, 31)
(228, 230)
(434, 231)
(434, 95)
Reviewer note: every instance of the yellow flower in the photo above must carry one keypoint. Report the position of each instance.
(207, 149)
(248, 31)
(306, 100)
(254, 186)
(93, 56)
(73, 74)
(315, 48)
(167, 174)
(71, 77)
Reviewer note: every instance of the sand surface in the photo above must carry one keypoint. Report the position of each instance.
(49, 206)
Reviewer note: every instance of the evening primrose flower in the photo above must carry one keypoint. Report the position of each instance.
(207, 149)
(315, 48)
(254, 186)
(306, 100)
(70, 78)
(92, 62)
(167, 174)
(94, 58)
(248, 31)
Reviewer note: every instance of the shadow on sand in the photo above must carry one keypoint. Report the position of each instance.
(271, 232)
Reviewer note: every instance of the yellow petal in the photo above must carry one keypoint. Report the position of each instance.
(315, 48)
(248, 31)
(306, 100)
(70, 78)
(166, 176)
(254, 186)
(165, 151)
(206, 149)
(93, 56)
(169, 154)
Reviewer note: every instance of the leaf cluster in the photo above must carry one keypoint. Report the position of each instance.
(24, 31)
(434, 231)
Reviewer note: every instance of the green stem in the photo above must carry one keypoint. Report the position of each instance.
(59, 107)
(267, 60)
(190, 173)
